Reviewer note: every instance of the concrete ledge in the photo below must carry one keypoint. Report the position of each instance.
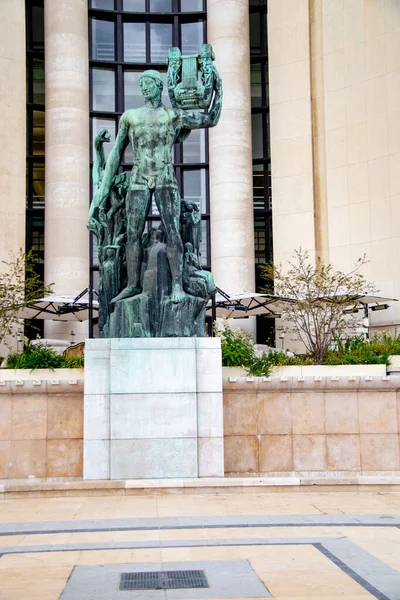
(56, 487)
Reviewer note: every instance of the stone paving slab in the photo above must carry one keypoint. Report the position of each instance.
(227, 579)
(164, 523)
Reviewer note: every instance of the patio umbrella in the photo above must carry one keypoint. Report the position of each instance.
(247, 304)
(60, 308)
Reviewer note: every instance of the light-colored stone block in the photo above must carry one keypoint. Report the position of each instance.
(309, 452)
(343, 452)
(64, 417)
(210, 456)
(308, 413)
(208, 370)
(153, 371)
(274, 413)
(379, 452)
(210, 419)
(241, 454)
(341, 412)
(64, 458)
(29, 417)
(96, 459)
(6, 416)
(140, 416)
(27, 458)
(377, 412)
(240, 413)
(276, 453)
(97, 417)
(156, 458)
(152, 344)
(97, 372)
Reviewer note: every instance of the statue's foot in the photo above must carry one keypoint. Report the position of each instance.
(128, 292)
(178, 295)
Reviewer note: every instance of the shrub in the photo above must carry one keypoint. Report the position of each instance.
(238, 351)
(42, 357)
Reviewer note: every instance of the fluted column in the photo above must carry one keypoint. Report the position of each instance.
(67, 151)
(13, 128)
(231, 182)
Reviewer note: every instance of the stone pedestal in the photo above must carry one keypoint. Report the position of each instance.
(153, 408)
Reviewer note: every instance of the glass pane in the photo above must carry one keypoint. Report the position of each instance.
(133, 96)
(256, 85)
(135, 42)
(257, 136)
(102, 40)
(194, 148)
(161, 41)
(38, 133)
(37, 28)
(135, 5)
(204, 259)
(38, 185)
(192, 37)
(259, 239)
(258, 187)
(255, 34)
(38, 238)
(103, 90)
(105, 4)
(38, 81)
(191, 5)
(194, 188)
(97, 126)
(160, 5)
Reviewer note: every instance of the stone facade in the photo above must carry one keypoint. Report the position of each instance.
(41, 428)
(311, 424)
(305, 426)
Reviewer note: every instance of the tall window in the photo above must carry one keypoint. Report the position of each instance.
(35, 129)
(262, 201)
(35, 160)
(126, 38)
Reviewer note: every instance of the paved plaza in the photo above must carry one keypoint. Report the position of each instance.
(303, 544)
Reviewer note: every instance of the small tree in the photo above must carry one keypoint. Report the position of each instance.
(19, 285)
(316, 298)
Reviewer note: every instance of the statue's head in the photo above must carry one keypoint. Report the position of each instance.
(189, 247)
(151, 83)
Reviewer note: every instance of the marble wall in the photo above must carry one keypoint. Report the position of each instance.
(321, 424)
(41, 428)
(335, 123)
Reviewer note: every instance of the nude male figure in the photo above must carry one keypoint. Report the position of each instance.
(152, 131)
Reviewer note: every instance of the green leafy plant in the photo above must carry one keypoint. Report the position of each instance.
(42, 357)
(238, 351)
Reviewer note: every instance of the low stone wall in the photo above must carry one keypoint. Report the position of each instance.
(41, 428)
(282, 425)
(311, 425)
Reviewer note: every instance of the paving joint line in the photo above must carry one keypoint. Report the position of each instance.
(351, 573)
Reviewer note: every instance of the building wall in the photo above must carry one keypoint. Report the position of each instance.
(12, 110)
(335, 143)
(322, 424)
(41, 429)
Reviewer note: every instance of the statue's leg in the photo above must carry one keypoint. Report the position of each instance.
(137, 206)
(168, 203)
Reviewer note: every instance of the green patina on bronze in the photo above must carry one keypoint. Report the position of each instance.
(152, 284)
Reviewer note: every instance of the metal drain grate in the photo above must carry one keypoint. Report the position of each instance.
(163, 580)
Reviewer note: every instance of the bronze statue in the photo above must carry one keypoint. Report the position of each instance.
(152, 131)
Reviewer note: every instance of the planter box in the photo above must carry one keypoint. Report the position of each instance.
(330, 371)
(315, 371)
(41, 374)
